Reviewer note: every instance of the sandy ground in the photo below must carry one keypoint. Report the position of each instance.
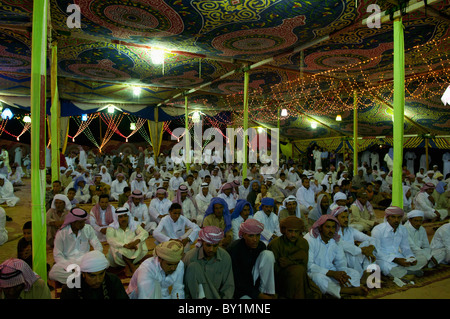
(22, 213)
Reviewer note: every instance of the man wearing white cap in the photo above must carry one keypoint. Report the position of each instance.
(216, 181)
(72, 241)
(126, 242)
(117, 186)
(425, 202)
(95, 282)
(203, 199)
(274, 190)
(418, 238)
(394, 254)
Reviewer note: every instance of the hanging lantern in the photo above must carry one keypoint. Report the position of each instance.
(132, 126)
(84, 117)
(111, 108)
(284, 112)
(27, 119)
(314, 125)
(338, 118)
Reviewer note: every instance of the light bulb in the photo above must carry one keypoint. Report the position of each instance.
(284, 112)
(132, 126)
(157, 56)
(27, 119)
(111, 109)
(137, 90)
(84, 117)
(314, 125)
(338, 118)
(196, 117)
(7, 114)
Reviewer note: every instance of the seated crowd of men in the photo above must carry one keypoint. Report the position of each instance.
(294, 234)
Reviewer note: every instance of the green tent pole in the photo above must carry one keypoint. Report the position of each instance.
(38, 77)
(245, 148)
(187, 151)
(55, 145)
(355, 133)
(399, 106)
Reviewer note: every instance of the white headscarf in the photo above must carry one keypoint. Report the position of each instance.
(94, 261)
(290, 198)
(64, 198)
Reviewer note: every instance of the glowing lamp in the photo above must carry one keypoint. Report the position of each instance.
(7, 114)
(338, 118)
(27, 119)
(284, 112)
(314, 125)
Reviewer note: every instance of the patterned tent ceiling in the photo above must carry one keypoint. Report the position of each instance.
(208, 42)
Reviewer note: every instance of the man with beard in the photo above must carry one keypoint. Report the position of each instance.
(327, 265)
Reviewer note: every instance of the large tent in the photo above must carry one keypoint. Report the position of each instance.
(308, 57)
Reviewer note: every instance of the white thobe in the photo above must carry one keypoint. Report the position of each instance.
(203, 172)
(117, 237)
(423, 161)
(158, 207)
(393, 245)
(141, 213)
(168, 229)
(446, 160)
(323, 257)
(7, 194)
(418, 241)
(117, 188)
(271, 225)
(216, 182)
(175, 182)
(93, 222)
(355, 259)
(140, 185)
(440, 244)
(70, 248)
(18, 156)
(422, 203)
(188, 209)
(243, 192)
(317, 158)
(149, 281)
(154, 183)
(230, 200)
(203, 202)
(410, 157)
(306, 197)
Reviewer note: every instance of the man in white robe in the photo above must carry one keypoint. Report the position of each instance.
(327, 264)
(359, 257)
(174, 226)
(269, 219)
(440, 244)
(418, 238)
(159, 206)
(126, 242)
(7, 192)
(394, 254)
(102, 217)
(72, 241)
(425, 202)
(139, 184)
(117, 186)
(203, 199)
(139, 211)
(409, 158)
(305, 197)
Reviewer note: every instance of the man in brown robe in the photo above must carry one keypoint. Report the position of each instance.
(291, 262)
